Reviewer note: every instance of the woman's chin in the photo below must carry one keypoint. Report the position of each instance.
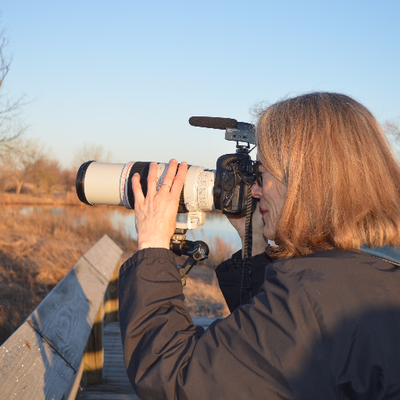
(268, 234)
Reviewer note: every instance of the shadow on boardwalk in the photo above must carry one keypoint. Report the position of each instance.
(116, 385)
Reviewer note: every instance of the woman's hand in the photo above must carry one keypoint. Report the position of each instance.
(155, 214)
(239, 223)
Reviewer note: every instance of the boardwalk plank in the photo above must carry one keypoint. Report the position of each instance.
(116, 385)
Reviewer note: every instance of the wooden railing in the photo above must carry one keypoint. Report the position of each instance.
(46, 357)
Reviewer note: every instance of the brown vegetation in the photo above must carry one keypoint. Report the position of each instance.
(39, 245)
(55, 199)
(37, 249)
(204, 298)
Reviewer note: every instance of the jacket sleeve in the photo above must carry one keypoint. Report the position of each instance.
(251, 354)
(157, 331)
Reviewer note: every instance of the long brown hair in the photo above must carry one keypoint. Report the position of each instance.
(343, 182)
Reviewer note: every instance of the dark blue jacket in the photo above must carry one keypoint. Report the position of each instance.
(325, 326)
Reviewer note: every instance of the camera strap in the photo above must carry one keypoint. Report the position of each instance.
(245, 287)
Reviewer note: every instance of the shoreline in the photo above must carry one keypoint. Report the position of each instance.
(56, 199)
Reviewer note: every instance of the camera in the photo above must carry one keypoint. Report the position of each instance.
(225, 188)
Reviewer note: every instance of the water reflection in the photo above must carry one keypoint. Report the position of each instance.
(216, 224)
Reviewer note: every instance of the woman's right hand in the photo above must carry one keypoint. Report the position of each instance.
(239, 223)
(155, 214)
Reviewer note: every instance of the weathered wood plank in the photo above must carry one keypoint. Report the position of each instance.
(115, 385)
(93, 356)
(31, 369)
(111, 298)
(110, 396)
(103, 255)
(58, 330)
(65, 317)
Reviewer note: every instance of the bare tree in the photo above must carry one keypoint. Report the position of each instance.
(90, 152)
(392, 130)
(6, 180)
(10, 125)
(21, 159)
(46, 175)
(68, 179)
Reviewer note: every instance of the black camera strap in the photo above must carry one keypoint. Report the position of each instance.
(245, 287)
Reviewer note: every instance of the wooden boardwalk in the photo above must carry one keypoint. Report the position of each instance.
(116, 385)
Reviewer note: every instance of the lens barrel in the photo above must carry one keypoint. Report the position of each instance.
(111, 184)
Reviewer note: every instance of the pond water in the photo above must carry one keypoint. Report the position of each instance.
(216, 224)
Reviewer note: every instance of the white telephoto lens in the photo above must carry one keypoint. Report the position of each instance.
(110, 184)
(102, 183)
(198, 191)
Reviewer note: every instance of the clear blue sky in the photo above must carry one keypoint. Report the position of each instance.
(127, 75)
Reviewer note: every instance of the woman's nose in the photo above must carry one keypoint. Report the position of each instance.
(256, 190)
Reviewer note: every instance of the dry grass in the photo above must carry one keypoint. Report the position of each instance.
(204, 299)
(220, 250)
(38, 247)
(65, 198)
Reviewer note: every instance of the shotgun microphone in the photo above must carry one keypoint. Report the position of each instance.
(213, 122)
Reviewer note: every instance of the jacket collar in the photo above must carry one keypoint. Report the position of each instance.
(388, 253)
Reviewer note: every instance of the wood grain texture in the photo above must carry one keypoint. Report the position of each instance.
(103, 256)
(46, 351)
(31, 369)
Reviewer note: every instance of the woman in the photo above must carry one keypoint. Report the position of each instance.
(325, 323)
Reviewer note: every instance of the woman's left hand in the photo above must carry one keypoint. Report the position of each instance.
(155, 214)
